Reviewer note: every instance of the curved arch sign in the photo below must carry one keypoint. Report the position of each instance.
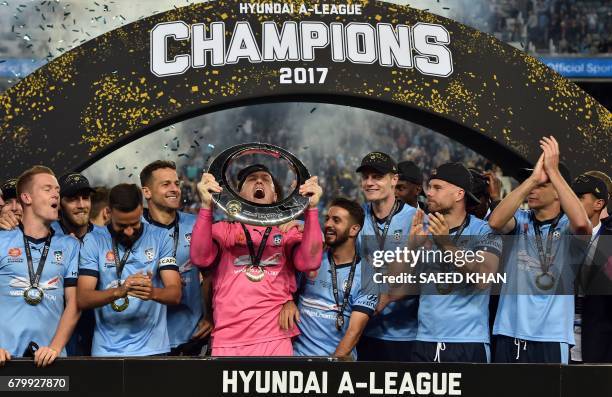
(210, 56)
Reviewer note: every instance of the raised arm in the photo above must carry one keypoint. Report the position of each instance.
(203, 249)
(570, 203)
(502, 218)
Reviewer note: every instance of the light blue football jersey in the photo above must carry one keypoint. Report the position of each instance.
(318, 309)
(21, 323)
(524, 310)
(59, 230)
(398, 320)
(462, 315)
(183, 318)
(140, 330)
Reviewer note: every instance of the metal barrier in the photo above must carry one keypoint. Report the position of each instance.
(289, 376)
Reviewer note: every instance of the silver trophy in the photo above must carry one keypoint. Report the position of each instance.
(241, 210)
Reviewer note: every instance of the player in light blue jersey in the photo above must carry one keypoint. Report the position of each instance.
(532, 324)
(38, 273)
(128, 273)
(389, 335)
(454, 318)
(333, 307)
(188, 327)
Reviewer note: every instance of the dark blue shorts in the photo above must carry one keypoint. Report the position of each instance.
(372, 349)
(514, 350)
(427, 352)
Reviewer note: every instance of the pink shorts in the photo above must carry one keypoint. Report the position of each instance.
(278, 347)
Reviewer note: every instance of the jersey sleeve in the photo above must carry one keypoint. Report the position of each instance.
(88, 257)
(167, 261)
(365, 303)
(71, 273)
(488, 241)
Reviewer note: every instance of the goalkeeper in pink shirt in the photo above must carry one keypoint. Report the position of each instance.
(253, 267)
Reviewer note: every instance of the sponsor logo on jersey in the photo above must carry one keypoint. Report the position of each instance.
(21, 284)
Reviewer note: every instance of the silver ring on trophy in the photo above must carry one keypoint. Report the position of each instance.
(244, 211)
(33, 295)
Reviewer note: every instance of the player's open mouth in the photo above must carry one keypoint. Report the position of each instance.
(259, 194)
(54, 206)
(330, 232)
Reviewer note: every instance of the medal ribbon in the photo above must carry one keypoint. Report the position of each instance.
(255, 259)
(35, 277)
(382, 237)
(120, 264)
(545, 252)
(347, 291)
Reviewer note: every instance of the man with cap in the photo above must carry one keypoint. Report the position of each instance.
(38, 275)
(253, 267)
(596, 277)
(409, 184)
(11, 209)
(390, 334)
(535, 316)
(454, 318)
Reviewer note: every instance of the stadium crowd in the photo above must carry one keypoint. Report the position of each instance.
(85, 271)
(551, 26)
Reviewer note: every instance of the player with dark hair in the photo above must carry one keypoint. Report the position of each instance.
(38, 275)
(99, 214)
(409, 184)
(128, 274)
(12, 209)
(389, 336)
(334, 308)
(188, 326)
(253, 267)
(533, 324)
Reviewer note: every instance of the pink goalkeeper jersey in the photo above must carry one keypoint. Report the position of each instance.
(246, 312)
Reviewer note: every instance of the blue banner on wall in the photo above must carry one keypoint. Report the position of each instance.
(580, 67)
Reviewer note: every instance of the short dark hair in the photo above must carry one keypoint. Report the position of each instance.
(147, 171)
(25, 179)
(99, 200)
(352, 207)
(125, 197)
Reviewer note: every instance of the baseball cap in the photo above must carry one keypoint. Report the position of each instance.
(9, 189)
(458, 175)
(410, 172)
(589, 184)
(378, 161)
(524, 173)
(243, 173)
(73, 183)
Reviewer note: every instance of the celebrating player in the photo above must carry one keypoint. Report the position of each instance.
(334, 308)
(535, 325)
(38, 275)
(253, 268)
(128, 273)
